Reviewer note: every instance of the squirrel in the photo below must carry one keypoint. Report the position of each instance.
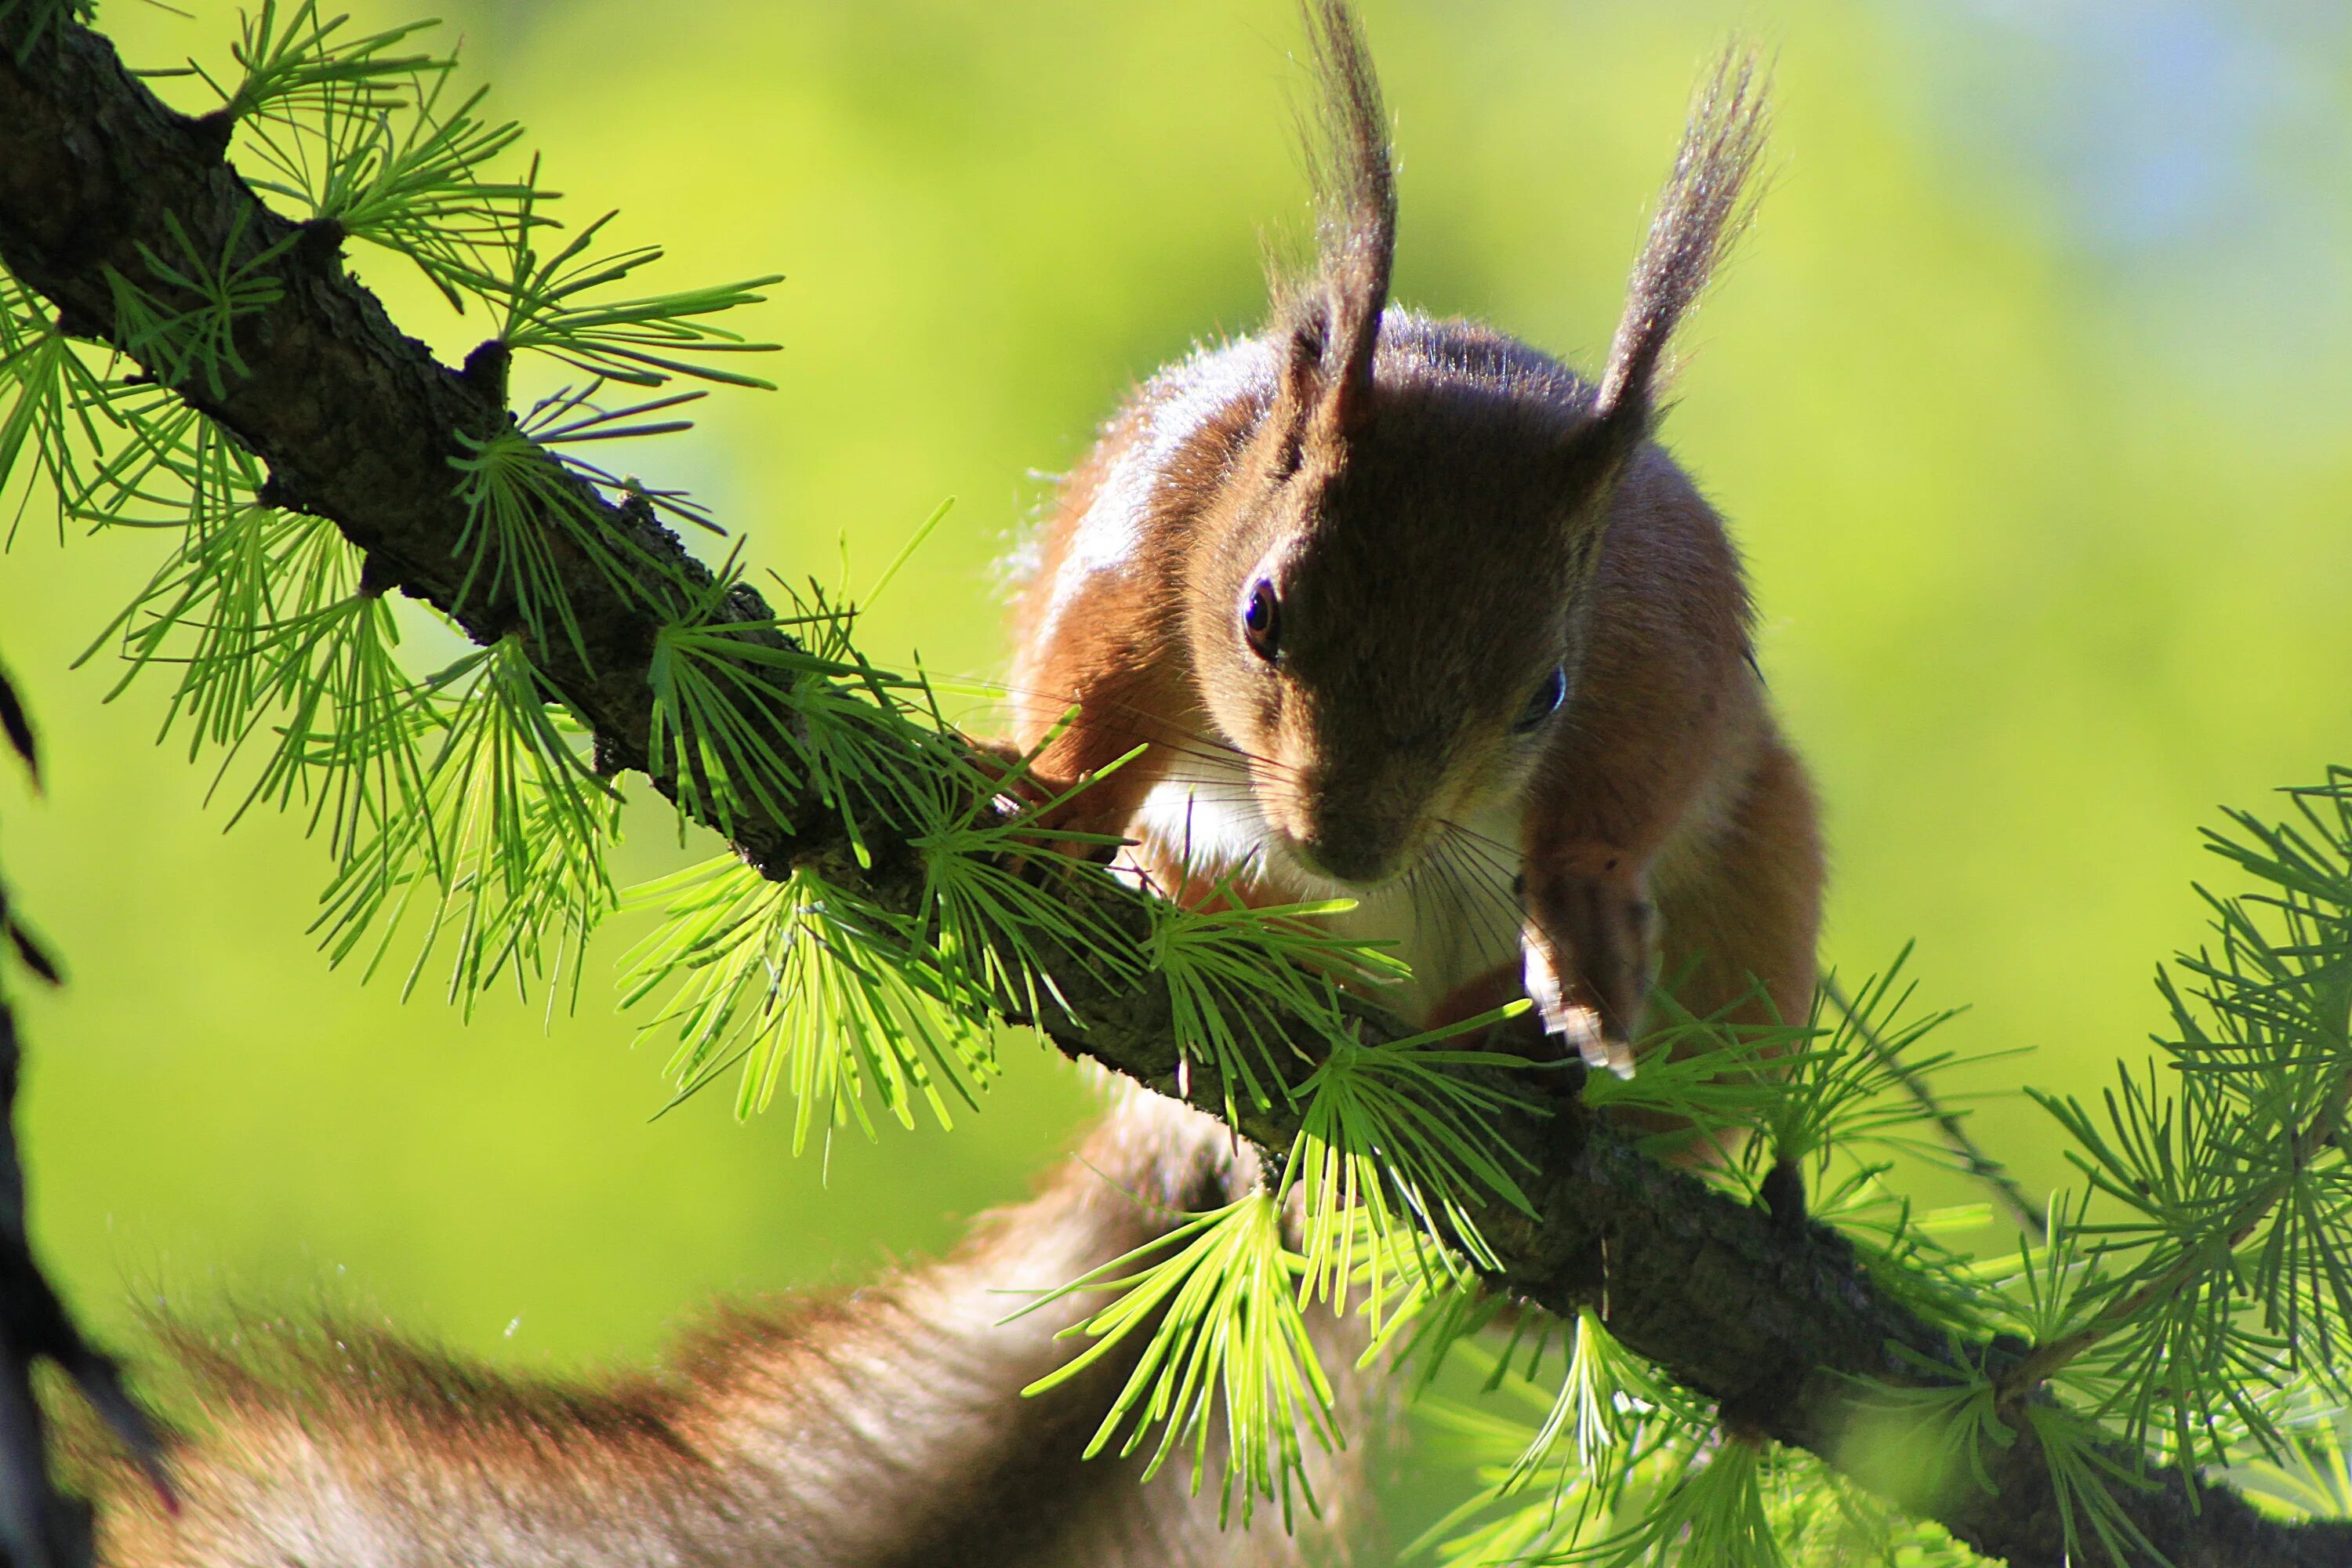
(1400, 609)
(1392, 606)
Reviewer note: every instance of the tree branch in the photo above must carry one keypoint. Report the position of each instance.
(40, 1526)
(359, 424)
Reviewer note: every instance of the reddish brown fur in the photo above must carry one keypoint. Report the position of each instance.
(1444, 517)
(881, 1427)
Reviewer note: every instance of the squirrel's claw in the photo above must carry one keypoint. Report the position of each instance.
(1604, 1050)
(1578, 1025)
(1600, 1051)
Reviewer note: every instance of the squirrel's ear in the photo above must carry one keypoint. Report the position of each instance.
(1707, 203)
(1331, 321)
(1588, 463)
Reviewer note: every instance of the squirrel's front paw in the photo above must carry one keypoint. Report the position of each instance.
(1587, 951)
(1572, 1021)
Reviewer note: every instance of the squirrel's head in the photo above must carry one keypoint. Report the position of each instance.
(1388, 616)
(1387, 611)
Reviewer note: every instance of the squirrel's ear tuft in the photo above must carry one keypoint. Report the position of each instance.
(1706, 204)
(1332, 319)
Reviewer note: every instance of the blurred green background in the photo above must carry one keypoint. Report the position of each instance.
(2027, 400)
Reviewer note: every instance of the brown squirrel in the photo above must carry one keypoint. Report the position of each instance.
(1395, 606)
(1403, 610)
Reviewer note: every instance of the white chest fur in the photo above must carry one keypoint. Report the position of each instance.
(1453, 917)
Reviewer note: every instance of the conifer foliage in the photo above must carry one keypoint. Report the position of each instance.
(1675, 1369)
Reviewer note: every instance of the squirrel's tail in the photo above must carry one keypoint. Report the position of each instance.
(878, 1427)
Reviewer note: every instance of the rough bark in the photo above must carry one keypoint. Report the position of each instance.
(358, 424)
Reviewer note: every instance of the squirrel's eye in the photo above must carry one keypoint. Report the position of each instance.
(1262, 620)
(1545, 702)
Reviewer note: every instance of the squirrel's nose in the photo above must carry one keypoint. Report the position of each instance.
(1351, 849)
(1343, 863)
(1360, 826)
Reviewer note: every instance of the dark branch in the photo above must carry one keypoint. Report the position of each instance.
(1781, 1324)
(40, 1526)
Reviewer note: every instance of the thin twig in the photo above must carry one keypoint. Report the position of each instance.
(2313, 1136)
(41, 1526)
(1949, 1123)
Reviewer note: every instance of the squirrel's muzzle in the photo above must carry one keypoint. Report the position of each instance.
(1362, 827)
